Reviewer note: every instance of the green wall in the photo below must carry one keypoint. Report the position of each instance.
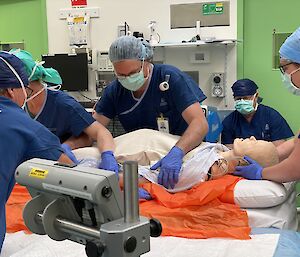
(256, 21)
(25, 20)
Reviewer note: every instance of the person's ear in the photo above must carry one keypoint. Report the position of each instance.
(10, 93)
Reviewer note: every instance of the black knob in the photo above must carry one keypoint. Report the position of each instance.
(217, 79)
(94, 248)
(130, 244)
(155, 228)
(106, 192)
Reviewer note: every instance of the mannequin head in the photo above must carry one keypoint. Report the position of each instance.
(263, 152)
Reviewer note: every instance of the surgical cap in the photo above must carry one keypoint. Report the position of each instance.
(244, 87)
(12, 72)
(129, 47)
(290, 49)
(39, 72)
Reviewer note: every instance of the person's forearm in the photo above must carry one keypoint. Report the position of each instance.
(99, 133)
(193, 135)
(285, 149)
(105, 141)
(64, 159)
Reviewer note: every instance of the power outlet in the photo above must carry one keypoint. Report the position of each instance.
(217, 85)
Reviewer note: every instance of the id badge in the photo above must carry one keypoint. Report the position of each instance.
(163, 124)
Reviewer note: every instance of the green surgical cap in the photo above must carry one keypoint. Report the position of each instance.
(129, 47)
(39, 72)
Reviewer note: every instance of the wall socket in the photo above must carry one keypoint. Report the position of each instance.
(217, 85)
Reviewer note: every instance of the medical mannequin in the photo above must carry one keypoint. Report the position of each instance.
(206, 162)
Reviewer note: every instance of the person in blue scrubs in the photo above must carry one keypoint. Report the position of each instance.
(21, 137)
(153, 96)
(253, 119)
(62, 114)
(288, 169)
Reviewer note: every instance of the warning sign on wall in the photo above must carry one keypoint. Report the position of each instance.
(79, 2)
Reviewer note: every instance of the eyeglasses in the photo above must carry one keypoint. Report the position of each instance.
(29, 91)
(282, 69)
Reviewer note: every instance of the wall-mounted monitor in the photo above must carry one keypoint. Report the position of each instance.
(73, 69)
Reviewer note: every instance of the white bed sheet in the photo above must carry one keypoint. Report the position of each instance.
(22, 245)
(282, 216)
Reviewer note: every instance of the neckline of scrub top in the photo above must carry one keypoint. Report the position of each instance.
(42, 107)
(139, 100)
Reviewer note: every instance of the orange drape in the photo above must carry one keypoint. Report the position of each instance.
(205, 211)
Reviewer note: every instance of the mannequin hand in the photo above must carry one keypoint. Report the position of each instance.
(252, 171)
(170, 167)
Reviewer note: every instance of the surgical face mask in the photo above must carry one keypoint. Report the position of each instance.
(287, 82)
(134, 81)
(244, 106)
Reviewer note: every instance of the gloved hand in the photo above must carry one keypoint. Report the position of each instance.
(68, 151)
(143, 194)
(252, 171)
(170, 167)
(109, 162)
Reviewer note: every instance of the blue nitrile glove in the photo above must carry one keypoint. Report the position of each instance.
(251, 171)
(68, 151)
(143, 194)
(170, 167)
(109, 162)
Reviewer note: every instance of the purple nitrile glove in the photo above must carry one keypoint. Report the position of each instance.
(109, 162)
(143, 194)
(68, 151)
(252, 171)
(170, 167)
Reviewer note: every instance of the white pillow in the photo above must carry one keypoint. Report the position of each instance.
(261, 193)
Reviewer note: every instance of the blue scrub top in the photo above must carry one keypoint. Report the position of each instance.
(267, 124)
(21, 139)
(64, 116)
(143, 113)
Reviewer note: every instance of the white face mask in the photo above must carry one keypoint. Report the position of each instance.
(287, 82)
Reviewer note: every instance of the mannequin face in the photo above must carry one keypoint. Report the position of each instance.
(242, 146)
(257, 149)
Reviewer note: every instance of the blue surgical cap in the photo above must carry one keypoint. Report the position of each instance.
(129, 47)
(12, 72)
(290, 49)
(244, 87)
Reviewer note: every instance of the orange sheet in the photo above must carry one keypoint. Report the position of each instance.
(14, 208)
(204, 211)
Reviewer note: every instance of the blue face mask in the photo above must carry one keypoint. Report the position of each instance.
(244, 106)
(134, 81)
